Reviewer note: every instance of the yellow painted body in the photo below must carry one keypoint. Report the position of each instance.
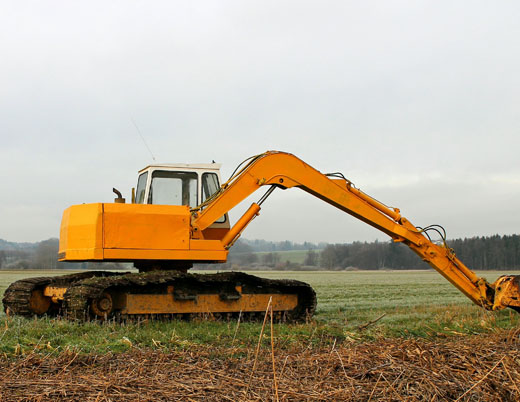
(132, 232)
(166, 304)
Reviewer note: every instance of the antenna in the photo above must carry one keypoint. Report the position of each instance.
(145, 144)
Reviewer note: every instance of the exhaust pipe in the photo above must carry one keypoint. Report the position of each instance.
(119, 199)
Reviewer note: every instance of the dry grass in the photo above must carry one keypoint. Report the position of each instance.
(467, 368)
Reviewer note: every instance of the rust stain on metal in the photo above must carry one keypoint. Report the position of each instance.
(205, 303)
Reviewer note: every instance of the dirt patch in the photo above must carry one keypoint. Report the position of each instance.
(472, 368)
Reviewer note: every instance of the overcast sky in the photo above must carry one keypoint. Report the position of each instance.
(417, 102)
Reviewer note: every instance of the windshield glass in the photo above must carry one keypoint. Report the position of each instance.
(209, 187)
(173, 188)
(141, 187)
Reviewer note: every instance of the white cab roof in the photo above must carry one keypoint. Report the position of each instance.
(188, 166)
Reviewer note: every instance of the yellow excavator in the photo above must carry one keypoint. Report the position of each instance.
(179, 216)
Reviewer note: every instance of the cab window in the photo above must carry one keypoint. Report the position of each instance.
(141, 188)
(173, 188)
(209, 187)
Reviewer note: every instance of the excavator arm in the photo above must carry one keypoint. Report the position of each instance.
(284, 170)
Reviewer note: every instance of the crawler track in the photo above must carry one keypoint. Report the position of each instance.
(17, 297)
(83, 288)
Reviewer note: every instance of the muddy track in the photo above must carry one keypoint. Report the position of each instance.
(17, 296)
(187, 285)
(88, 286)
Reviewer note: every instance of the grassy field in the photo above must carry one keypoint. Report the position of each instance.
(411, 304)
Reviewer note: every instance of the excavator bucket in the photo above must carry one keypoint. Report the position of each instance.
(507, 292)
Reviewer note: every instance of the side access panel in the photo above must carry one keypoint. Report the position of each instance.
(132, 232)
(151, 227)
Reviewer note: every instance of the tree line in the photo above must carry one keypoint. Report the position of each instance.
(41, 255)
(260, 245)
(30, 256)
(479, 253)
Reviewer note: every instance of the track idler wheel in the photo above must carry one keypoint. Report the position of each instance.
(102, 306)
(38, 303)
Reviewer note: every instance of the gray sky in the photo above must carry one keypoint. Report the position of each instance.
(416, 102)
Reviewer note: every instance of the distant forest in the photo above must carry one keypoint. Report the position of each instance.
(479, 253)
(41, 255)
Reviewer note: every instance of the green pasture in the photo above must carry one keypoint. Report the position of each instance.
(407, 303)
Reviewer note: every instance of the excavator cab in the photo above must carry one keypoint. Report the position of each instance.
(179, 184)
